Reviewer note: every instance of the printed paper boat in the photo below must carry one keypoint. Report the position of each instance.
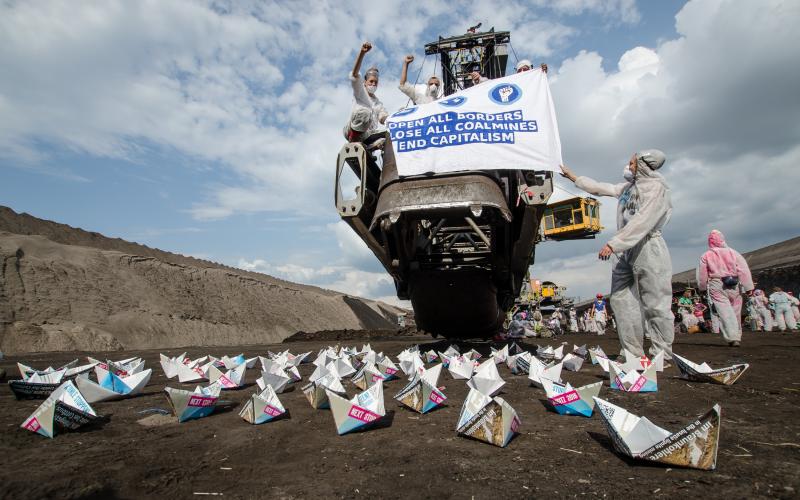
(694, 446)
(363, 410)
(567, 400)
(500, 355)
(275, 377)
(634, 362)
(595, 353)
(421, 394)
(262, 407)
(69, 369)
(193, 372)
(412, 365)
(387, 368)
(461, 368)
(341, 368)
(581, 351)
(514, 348)
(170, 365)
(188, 405)
(539, 371)
(316, 393)
(704, 373)
(548, 353)
(38, 384)
(486, 379)
(123, 367)
(633, 381)
(472, 354)
(519, 364)
(487, 419)
(232, 379)
(280, 366)
(231, 363)
(367, 375)
(452, 351)
(431, 356)
(113, 386)
(65, 409)
(572, 362)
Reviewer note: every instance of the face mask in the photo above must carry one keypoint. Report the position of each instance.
(433, 89)
(371, 89)
(627, 174)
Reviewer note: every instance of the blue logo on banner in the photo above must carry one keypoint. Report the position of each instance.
(453, 102)
(505, 93)
(404, 112)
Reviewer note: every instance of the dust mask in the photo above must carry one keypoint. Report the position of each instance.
(627, 174)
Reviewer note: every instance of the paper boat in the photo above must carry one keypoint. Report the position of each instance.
(232, 379)
(262, 407)
(567, 400)
(519, 364)
(472, 354)
(421, 394)
(487, 379)
(65, 409)
(366, 376)
(634, 362)
(633, 381)
(387, 368)
(363, 410)
(188, 405)
(694, 446)
(69, 370)
(514, 348)
(461, 368)
(431, 356)
(500, 355)
(595, 353)
(581, 351)
(487, 419)
(704, 373)
(275, 378)
(539, 371)
(113, 386)
(572, 362)
(548, 353)
(316, 392)
(188, 373)
(170, 365)
(282, 366)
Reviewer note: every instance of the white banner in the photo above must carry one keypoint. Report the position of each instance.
(508, 123)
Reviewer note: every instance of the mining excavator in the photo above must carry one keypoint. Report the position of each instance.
(458, 245)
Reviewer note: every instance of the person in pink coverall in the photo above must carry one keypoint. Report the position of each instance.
(719, 267)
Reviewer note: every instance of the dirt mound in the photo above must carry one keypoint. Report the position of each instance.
(70, 289)
(358, 335)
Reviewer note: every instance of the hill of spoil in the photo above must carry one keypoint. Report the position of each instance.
(63, 288)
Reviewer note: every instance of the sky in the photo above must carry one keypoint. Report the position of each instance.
(211, 128)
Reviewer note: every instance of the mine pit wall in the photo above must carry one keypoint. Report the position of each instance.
(57, 297)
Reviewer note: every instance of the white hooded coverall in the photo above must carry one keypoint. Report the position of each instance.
(641, 280)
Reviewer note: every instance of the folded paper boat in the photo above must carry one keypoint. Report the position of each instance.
(572, 362)
(367, 375)
(363, 410)
(317, 391)
(111, 386)
(188, 405)
(487, 379)
(694, 446)
(519, 364)
(539, 371)
(262, 407)
(487, 419)
(567, 400)
(704, 373)
(633, 381)
(65, 409)
(421, 394)
(38, 384)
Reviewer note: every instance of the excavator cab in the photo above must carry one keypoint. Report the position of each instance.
(572, 219)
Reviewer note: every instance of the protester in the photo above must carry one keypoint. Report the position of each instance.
(368, 115)
(762, 306)
(725, 274)
(783, 309)
(477, 78)
(795, 303)
(589, 321)
(573, 321)
(581, 323)
(598, 313)
(756, 322)
(686, 310)
(699, 313)
(432, 89)
(641, 280)
(525, 65)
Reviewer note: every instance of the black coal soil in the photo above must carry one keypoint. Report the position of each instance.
(138, 454)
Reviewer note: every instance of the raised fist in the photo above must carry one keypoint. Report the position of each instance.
(505, 93)
(409, 59)
(366, 47)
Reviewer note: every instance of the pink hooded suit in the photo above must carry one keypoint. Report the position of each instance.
(719, 262)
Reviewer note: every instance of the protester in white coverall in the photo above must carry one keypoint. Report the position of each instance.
(432, 89)
(573, 321)
(590, 326)
(795, 304)
(782, 305)
(756, 323)
(725, 274)
(368, 115)
(598, 310)
(762, 306)
(641, 280)
(581, 324)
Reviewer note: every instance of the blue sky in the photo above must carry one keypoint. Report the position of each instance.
(211, 129)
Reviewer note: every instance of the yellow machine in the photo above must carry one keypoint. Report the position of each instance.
(574, 218)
